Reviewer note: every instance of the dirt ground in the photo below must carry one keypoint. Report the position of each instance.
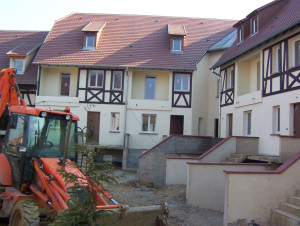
(130, 192)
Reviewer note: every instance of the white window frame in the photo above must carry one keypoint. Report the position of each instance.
(23, 64)
(248, 123)
(149, 123)
(154, 95)
(181, 82)
(112, 122)
(180, 45)
(113, 80)
(96, 81)
(87, 42)
(276, 120)
(254, 25)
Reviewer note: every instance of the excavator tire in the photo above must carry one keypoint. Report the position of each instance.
(24, 213)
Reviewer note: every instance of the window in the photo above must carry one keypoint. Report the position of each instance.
(117, 78)
(254, 25)
(176, 45)
(240, 35)
(276, 59)
(297, 53)
(115, 121)
(276, 120)
(149, 122)
(96, 79)
(19, 66)
(65, 85)
(230, 80)
(182, 82)
(150, 88)
(248, 122)
(258, 77)
(90, 41)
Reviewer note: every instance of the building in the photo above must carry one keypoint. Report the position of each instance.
(260, 77)
(133, 80)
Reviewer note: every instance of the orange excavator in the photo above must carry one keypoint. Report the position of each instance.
(34, 150)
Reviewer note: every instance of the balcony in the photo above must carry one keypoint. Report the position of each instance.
(139, 104)
(249, 98)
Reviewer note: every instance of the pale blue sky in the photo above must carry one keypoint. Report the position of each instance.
(41, 14)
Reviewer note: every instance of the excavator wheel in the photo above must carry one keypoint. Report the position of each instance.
(24, 213)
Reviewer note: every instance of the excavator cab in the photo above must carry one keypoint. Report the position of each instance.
(31, 136)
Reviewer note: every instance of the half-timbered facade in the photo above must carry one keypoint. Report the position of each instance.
(133, 80)
(261, 77)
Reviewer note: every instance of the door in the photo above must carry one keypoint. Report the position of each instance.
(65, 85)
(176, 124)
(93, 126)
(216, 128)
(297, 120)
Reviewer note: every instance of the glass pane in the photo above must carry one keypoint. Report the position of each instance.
(152, 123)
(115, 121)
(18, 64)
(90, 40)
(145, 123)
(15, 138)
(297, 53)
(248, 123)
(92, 79)
(150, 88)
(185, 83)
(100, 79)
(177, 83)
(117, 80)
(177, 44)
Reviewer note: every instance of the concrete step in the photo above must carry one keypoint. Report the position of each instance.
(282, 218)
(265, 158)
(290, 208)
(294, 200)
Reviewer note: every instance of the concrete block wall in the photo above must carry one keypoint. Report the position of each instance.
(152, 164)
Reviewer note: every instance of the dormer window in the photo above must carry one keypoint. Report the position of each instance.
(240, 35)
(176, 33)
(18, 64)
(92, 32)
(176, 45)
(254, 25)
(90, 41)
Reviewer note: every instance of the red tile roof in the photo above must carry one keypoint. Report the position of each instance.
(20, 42)
(285, 15)
(130, 41)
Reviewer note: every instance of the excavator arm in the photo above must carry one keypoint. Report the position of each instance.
(9, 91)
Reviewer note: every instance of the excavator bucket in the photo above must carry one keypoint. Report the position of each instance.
(138, 216)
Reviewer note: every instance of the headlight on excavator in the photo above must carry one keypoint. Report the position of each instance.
(68, 117)
(43, 114)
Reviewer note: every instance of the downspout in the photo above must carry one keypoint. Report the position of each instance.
(125, 151)
(220, 82)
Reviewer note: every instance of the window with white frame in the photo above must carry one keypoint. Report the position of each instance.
(276, 120)
(182, 82)
(117, 79)
(177, 44)
(297, 52)
(115, 121)
(248, 123)
(96, 79)
(150, 88)
(254, 25)
(149, 123)
(90, 41)
(230, 79)
(18, 64)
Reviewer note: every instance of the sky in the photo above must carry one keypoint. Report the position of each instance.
(41, 15)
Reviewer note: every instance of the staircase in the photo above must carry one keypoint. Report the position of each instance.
(288, 213)
(235, 158)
